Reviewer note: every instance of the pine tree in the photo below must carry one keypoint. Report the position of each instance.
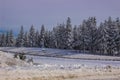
(11, 39)
(91, 34)
(26, 40)
(7, 39)
(75, 43)
(49, 39)
(3, 40)
(53, 38)
(32, 36)
(111, 33)
(102, 41)
(20, 38)
(83, 36)
(56, 34)
(37, 39)
(117, 41)
(42, 36)
(68, 34)
(61, 36)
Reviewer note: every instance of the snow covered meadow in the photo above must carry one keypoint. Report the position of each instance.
(61, 65)
(66, 58)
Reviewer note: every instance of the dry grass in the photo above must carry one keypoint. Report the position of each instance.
(86, 74)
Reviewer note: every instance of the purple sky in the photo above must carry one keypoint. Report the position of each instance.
(14, 13)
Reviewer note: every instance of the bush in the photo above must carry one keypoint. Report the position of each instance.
(21, 56)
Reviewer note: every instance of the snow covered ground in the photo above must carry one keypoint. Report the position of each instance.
(73, 62)
(54, 68)
(67, 59)
(72, 54)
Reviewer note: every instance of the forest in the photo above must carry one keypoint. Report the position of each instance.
(103, 39)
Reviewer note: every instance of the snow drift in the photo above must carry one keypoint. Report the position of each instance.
(8, 60)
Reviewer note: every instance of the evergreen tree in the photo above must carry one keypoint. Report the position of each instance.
(20, 38)
(37, 39)
(7, 39)
(53, 38)
(26, 40)
(42, 36)
(3, 40)
(91, 34)
(61, 37)
(49, 39)
(111, 33)
(56, 34)
(68, 34)
(117, 41)
(83, 36)
(75, 43)
(102, 41)
(11, 39)
(32, 36)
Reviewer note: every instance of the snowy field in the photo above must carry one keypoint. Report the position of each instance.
(57, 68)
(59, 53)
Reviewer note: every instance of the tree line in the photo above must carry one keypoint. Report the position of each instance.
(87, 37)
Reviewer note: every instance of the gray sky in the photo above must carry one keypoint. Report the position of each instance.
(14, 13)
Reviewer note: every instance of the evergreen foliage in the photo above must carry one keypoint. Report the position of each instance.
(87, 37)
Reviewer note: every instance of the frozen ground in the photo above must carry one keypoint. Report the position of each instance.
(53, 68)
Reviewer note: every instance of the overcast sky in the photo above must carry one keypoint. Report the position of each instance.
(14, 13)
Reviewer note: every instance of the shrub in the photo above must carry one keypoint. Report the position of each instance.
(21, 56)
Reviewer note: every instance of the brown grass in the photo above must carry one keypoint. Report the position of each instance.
(58, 75)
